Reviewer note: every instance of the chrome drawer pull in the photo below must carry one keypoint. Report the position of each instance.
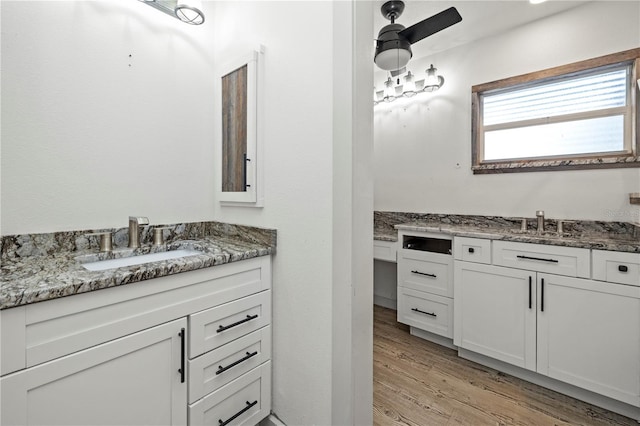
(222, 369)
(239, 413)
(226, 327)
(423, 273)
(536, 258)
(423, 312)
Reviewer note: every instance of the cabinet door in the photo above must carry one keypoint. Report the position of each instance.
(495, 312)
(133, 380)
(588, 335)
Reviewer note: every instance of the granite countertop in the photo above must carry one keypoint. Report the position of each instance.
(611, 236)
(47, 273)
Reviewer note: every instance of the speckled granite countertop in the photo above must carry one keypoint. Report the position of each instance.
(39, 267)
(614, 236)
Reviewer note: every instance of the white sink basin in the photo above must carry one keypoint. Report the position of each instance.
(102, 265)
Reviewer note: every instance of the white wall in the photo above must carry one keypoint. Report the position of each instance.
(423, 149)
(105, 110)
(91, 136)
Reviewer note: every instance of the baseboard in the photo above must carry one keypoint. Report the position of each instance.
(440, 340)
(555, 385)
(385, 302)
(272, 420)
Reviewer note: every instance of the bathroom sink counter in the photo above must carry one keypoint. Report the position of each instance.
(41, 267)
(612, 242)
(613, 236)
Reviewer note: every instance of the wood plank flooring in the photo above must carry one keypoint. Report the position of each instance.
(419, 383)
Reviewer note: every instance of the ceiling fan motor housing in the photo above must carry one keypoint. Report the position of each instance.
(392, 50)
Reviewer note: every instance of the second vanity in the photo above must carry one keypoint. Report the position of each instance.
(559, 311)
(177, 341)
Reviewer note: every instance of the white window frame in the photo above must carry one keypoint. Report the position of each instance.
(628, 157)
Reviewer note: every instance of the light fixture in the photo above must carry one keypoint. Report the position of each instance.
(536, 1)
(188, 11)
(433, 82)
(410, 86)
(392, 51)
(389, 91)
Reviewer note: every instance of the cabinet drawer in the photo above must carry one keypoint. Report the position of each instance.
(385, 250)
(220, 366)
(216, 326)
(432, 276)
(244, 401)
(472, 250)
(569, 261)
(426, 311)
(616, 267)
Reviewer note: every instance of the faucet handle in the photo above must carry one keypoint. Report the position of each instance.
(561, 224)
(158, 235)
(140, 220)
(105, 240)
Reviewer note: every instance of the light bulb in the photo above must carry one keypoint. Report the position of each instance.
(389, 91)
(433, 82)
(409, 85)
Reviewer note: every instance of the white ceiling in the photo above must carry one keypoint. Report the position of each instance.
(479, 19)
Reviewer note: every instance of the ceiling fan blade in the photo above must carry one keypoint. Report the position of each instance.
(432, 25)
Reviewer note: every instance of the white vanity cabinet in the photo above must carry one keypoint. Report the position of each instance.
(133, 380)
(531, 309)
(385, 250)
(495, 312)
(143, 353)
(425, 278)
(589, 336)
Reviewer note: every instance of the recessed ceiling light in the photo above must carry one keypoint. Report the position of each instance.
(536, 1)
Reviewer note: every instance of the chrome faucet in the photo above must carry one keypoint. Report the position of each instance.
(540, 217)
(134, 230)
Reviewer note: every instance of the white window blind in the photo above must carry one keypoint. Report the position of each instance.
(570, 116)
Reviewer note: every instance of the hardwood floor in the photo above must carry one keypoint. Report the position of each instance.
(419, 383)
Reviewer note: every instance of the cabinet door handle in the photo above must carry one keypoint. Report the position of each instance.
(541, 294)
(244, 172)
(249, 355)
(226, 327)
(537, 258)
(182, 353)
(423, 312)
(623, 268)
(471, 250)
(423, 273)
(239, 413)
(529, 292)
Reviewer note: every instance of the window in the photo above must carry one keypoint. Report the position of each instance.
(579, 116)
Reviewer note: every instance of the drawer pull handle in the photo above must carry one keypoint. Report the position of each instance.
(182, 353)
(222, 369)
(423, 312)
(623, 268)
(226, 327)
(536, 258)
(471, 250)
(239, 413)
(423, 273)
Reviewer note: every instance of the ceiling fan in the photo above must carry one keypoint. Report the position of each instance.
(393, 46)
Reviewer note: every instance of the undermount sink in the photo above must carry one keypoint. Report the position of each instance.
(102, 265)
